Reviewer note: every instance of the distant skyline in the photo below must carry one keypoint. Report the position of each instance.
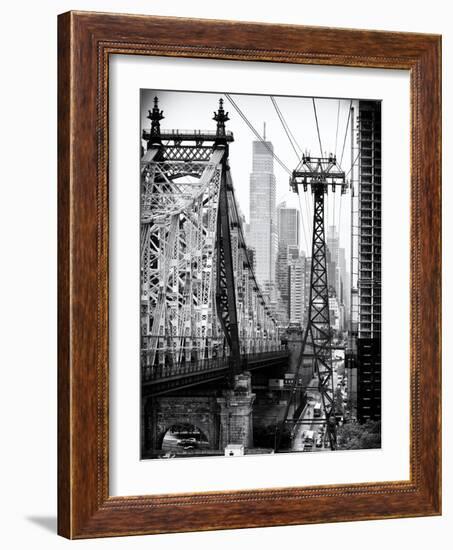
(194, 110)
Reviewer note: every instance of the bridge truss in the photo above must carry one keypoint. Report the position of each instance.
(200, 300)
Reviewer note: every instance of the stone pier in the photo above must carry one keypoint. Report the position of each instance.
(236, 405)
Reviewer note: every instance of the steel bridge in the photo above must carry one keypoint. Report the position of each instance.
(203, 314)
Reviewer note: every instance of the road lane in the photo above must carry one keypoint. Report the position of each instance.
(307, 420)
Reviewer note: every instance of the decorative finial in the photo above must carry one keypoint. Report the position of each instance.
(156, 115)
(220, 117)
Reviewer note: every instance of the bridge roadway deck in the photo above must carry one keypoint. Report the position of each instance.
(165, 379)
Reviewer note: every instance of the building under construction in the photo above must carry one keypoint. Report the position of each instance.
(363, 358)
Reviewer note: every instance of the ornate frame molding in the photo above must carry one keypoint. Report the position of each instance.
(86, 40)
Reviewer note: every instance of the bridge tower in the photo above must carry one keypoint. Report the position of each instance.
(188, 246)
(225, 287)
(318, 174)
(181, 176)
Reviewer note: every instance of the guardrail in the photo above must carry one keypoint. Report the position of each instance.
(161, 372)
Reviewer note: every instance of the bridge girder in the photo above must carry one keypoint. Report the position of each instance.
(184, 191)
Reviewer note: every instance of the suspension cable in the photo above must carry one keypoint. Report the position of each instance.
(294, 143)
(339, 216)
(300, 209)
(317, 125)
(352, 165)
(326, 208)
(249, 124)
(341, 202)
(286, 127)
(334, 204)
(346, 132)
(280, 116)
(336, 132)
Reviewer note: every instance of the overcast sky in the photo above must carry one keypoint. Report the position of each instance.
(194, 110)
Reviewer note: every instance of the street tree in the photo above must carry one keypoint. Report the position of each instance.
(359, 436)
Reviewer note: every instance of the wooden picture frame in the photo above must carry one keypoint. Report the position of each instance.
(85, 41)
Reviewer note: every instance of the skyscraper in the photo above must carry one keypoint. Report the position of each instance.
(345, 284)
(307, 287)
(263, 237)
(333, 243)
(288, 220)
(297, 288)
(336, 270)
(282, 278)
(365, 346)
(334, 312)
(288, 225)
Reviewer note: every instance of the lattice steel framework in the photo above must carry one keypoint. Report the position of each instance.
(319, 174)
(199, 295)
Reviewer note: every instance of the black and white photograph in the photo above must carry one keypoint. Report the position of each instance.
(226, 258)
(260, 266)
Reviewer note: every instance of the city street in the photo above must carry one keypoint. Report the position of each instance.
(308, 422)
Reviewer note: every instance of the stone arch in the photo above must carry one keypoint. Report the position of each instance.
(200, 437)
(160, 413)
